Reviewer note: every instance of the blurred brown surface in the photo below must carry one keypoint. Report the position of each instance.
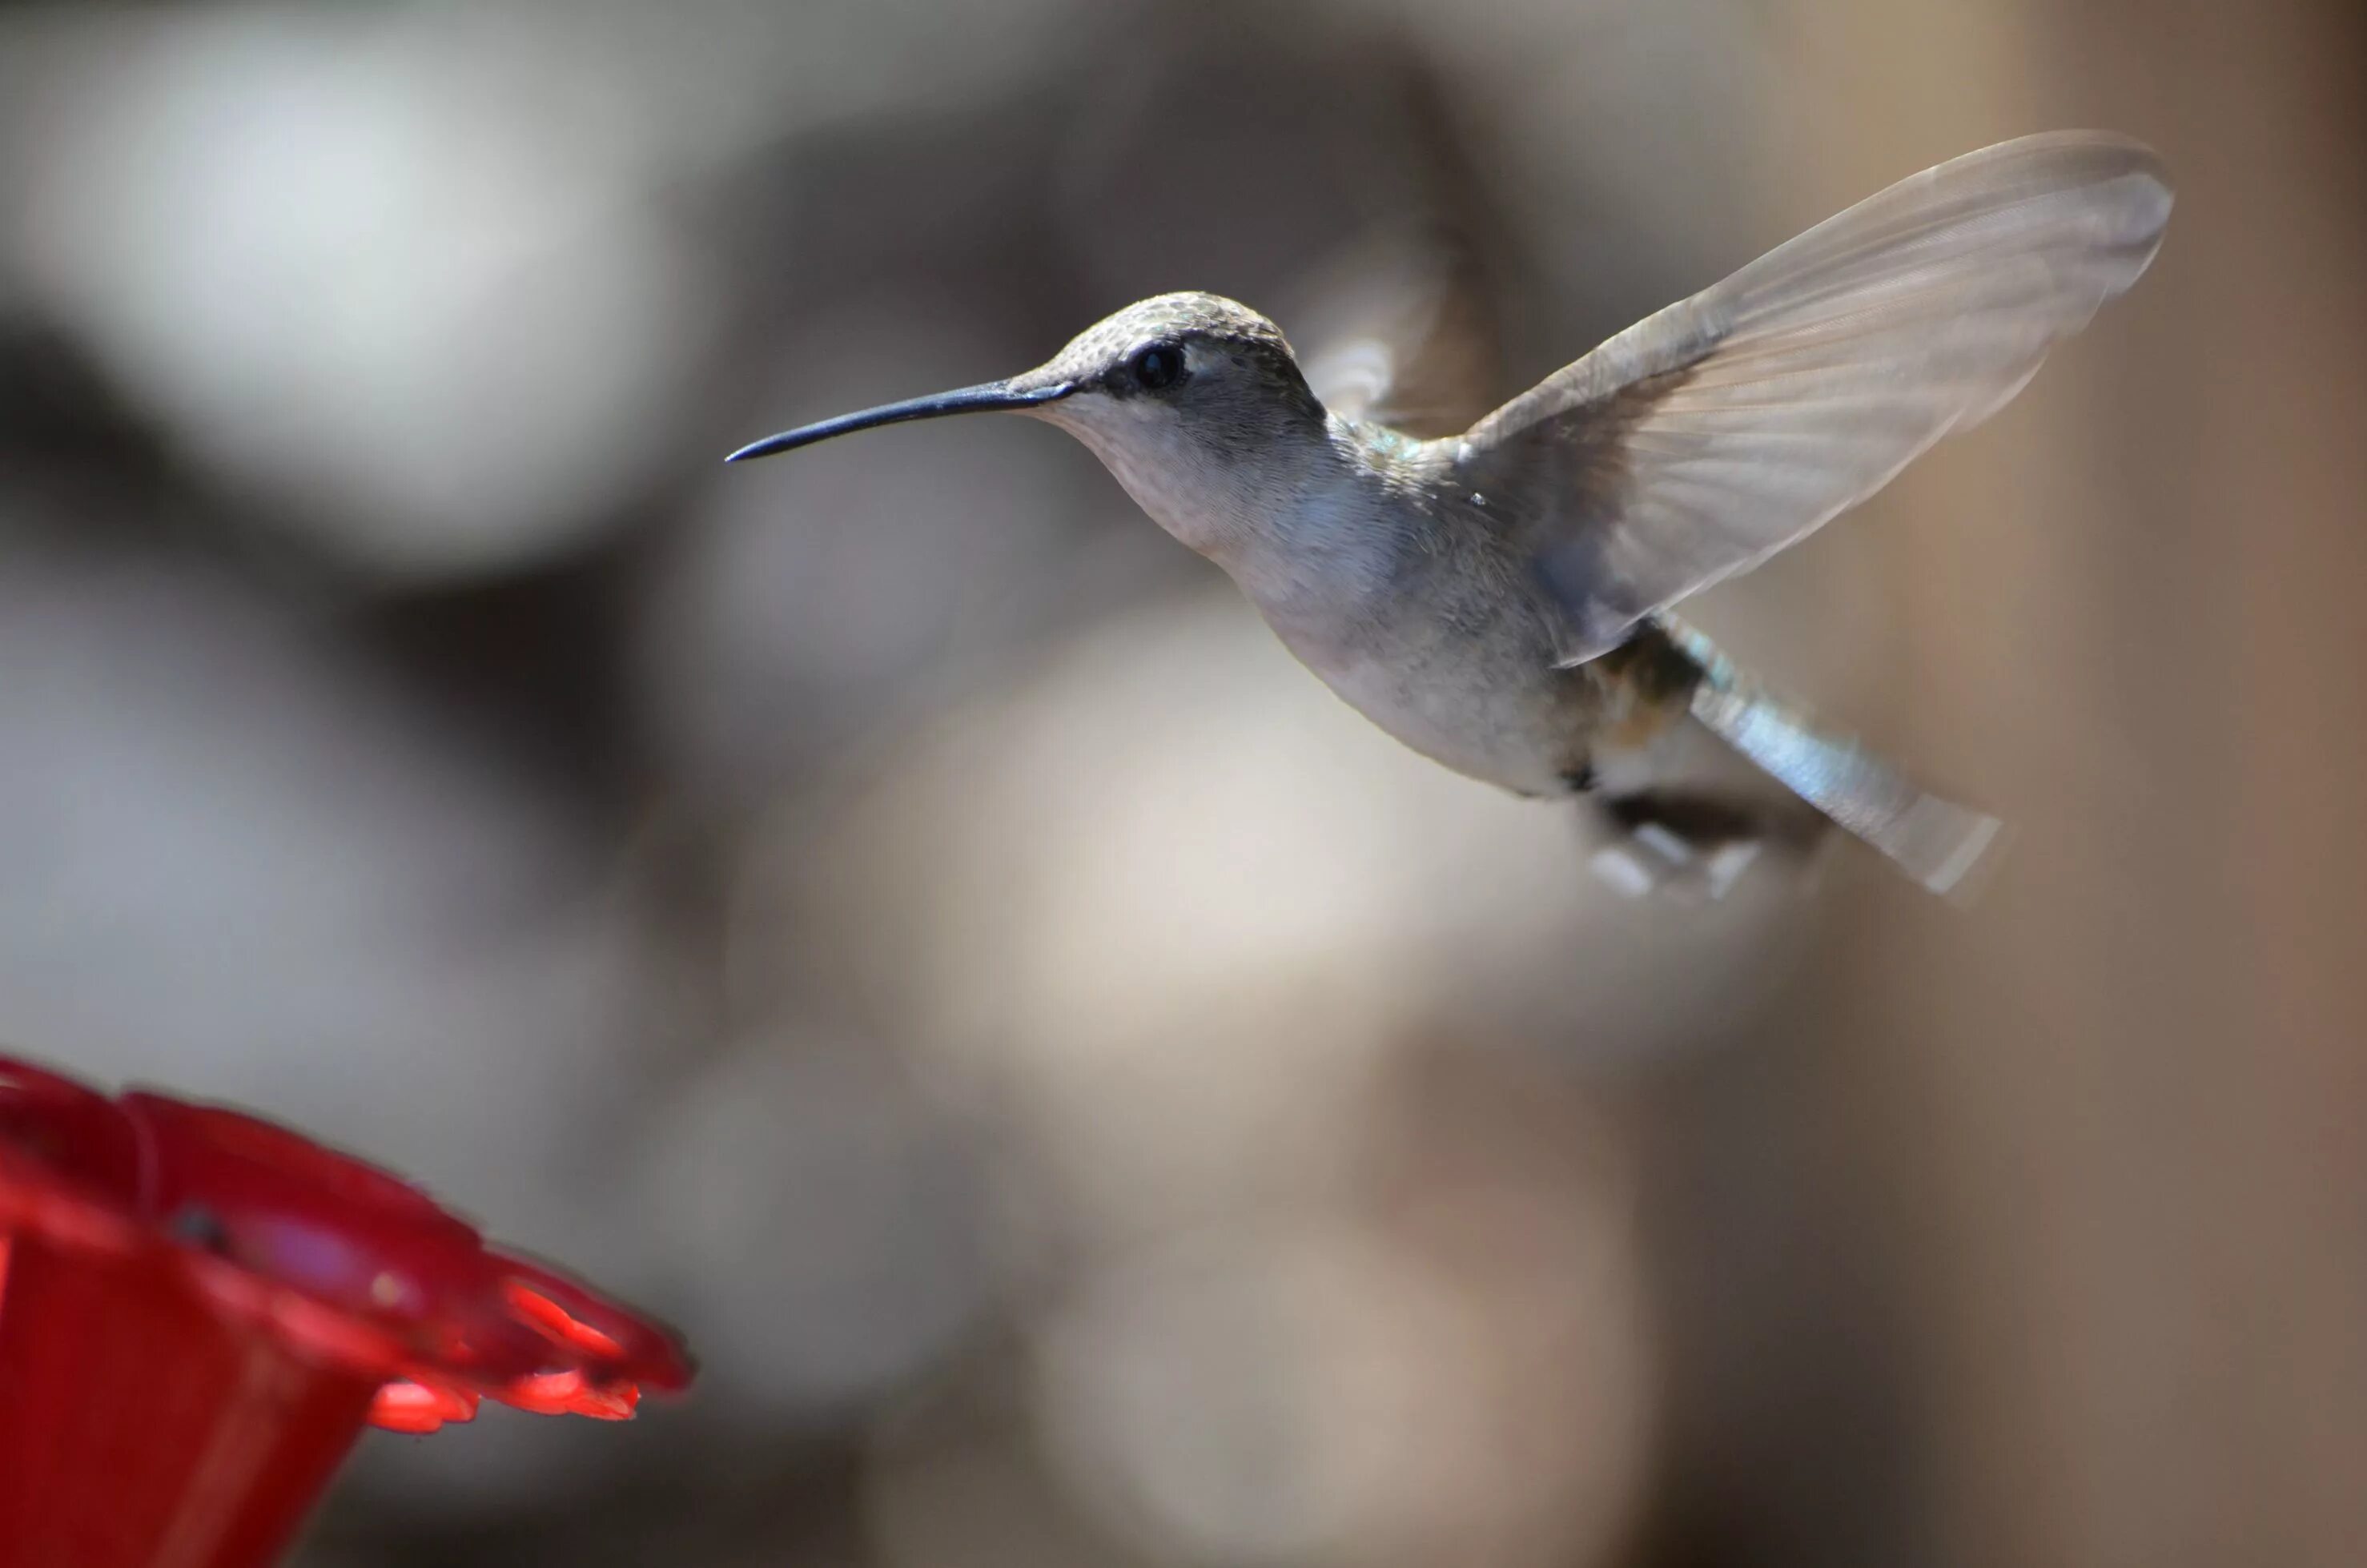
(1089, 1097)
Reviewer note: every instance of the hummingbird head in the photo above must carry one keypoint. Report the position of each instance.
(1190, 400)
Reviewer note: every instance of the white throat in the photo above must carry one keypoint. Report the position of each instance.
(1237, 498)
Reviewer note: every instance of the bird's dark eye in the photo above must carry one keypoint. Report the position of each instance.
(1158, 367)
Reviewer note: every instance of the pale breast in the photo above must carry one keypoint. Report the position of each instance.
(1433, 636)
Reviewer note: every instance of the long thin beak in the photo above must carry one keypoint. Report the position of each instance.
(991, 398)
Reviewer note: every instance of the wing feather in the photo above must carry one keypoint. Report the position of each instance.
(1710, 436)
(1399, 333)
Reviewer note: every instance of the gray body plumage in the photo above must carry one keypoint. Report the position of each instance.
(1500, 600)
(1398, 585)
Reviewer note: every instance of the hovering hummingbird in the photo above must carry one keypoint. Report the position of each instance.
(1501, 600)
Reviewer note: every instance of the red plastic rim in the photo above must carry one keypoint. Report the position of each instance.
(342, 1264)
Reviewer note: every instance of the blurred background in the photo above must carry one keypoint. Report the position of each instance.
(1087, 1098)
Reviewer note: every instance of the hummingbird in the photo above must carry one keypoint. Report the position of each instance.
(1502, 599)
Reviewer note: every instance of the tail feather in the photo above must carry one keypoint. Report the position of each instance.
(1935, 841)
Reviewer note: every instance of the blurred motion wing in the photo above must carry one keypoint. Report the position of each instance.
(1398, 332)
(1712, 434)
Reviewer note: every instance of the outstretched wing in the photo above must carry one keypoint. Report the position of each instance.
(1708, 436)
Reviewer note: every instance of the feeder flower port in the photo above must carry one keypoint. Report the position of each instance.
(201, 1311)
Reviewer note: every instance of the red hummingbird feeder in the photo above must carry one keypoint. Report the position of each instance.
(201, 1311)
